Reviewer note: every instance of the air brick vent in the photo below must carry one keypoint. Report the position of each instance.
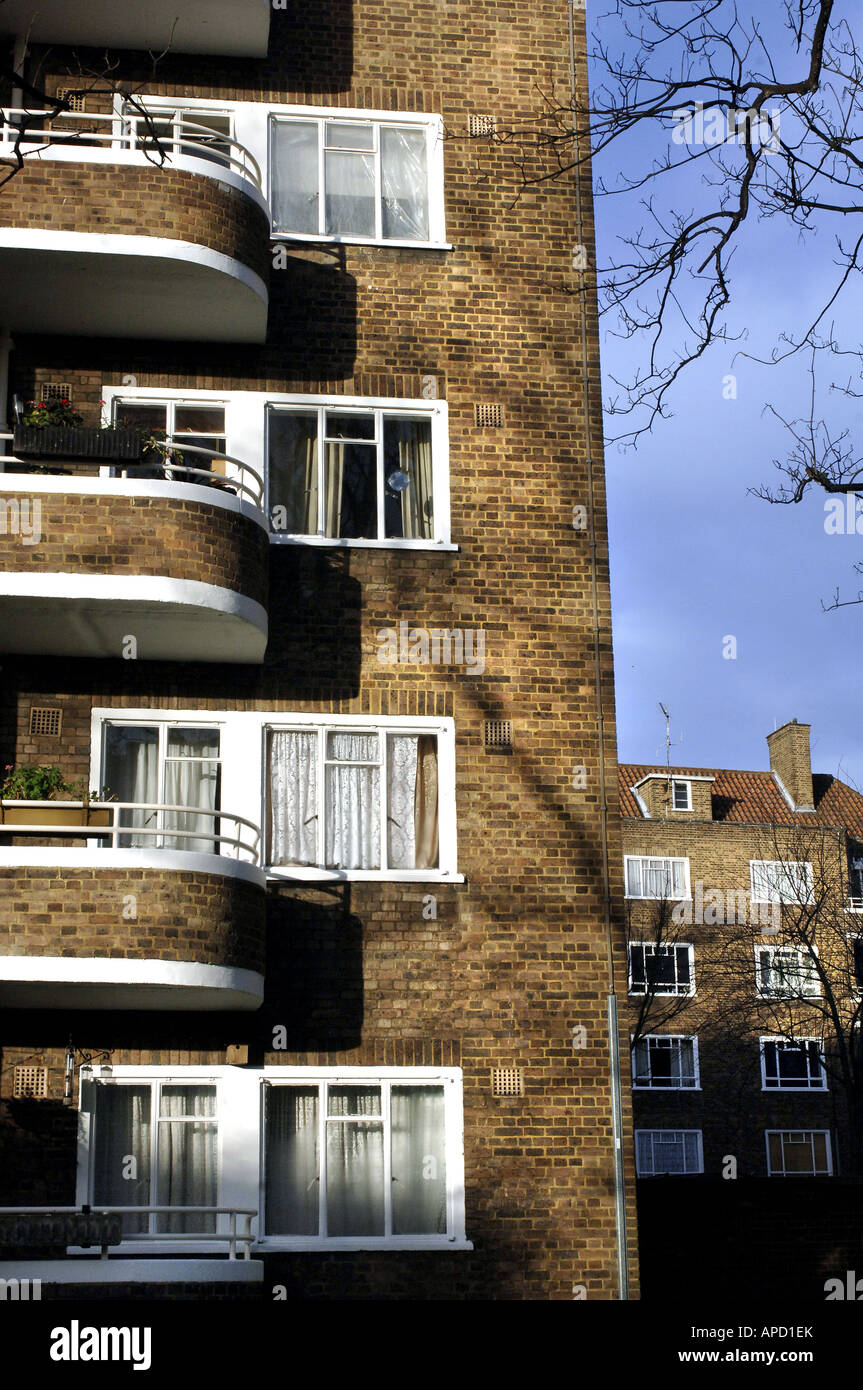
(498, 735)
(55, 391)
(481, 125)
(30, 1083)
(488, 415)
(507, 1081)
(45, 722)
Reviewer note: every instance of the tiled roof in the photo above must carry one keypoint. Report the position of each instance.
(751, 798)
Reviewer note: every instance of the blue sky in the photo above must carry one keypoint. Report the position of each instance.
(695, 559)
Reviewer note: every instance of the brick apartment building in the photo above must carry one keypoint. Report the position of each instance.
(310, 935)
(744, 893)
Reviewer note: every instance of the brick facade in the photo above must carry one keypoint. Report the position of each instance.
(516, 958)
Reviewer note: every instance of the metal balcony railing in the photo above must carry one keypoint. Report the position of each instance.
(243, 480)
(33, 1226)
(107, 822)
(157, 134)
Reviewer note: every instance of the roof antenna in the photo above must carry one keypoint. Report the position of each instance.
(667, 737)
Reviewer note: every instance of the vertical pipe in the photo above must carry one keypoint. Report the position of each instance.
(6, 346)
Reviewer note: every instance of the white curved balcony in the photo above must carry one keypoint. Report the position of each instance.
(184, 255)
(235, 28)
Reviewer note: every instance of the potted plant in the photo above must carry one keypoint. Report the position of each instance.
(53, 430)
(39, 783)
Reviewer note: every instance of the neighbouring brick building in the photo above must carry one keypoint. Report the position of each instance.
(318, 936)
(743, 892)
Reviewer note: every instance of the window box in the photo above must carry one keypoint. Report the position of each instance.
(661, 970)
(357, 176)
(73, 442)
(665, 1062)
(650, 877)
(59, 814)
(662, 1152)
(792, 1066)
(798, 1153)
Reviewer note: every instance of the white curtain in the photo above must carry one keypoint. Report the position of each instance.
(355, 1163)
(353, 817)
(293, 800)
(418, 1160)
(132, 774)
(294, 198)
(187, 1156)
(404, 184)
(412, 802)
(192, 779)
(292, 1181)
(121, 1161)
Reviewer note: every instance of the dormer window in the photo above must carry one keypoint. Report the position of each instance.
(681, 795)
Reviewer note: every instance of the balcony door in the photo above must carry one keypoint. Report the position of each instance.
(159, 767)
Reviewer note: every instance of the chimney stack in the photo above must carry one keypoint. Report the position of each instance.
(791, 763)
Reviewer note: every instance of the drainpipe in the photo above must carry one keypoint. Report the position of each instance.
(613, 1035)
(6, 346)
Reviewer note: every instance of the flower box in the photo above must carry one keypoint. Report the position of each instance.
(75, 442)
(20, 813)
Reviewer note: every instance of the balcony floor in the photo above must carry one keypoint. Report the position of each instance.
(236, 28)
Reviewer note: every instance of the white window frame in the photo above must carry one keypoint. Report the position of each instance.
(247, 438)
(687, 788)
(433, 126)
(244, 781)
(775, 869)
(451, 1080)
(381, 407)
(239, 1120)
(377, 724)
(663, 948)
(666, 859)
(820, 1084)
(651, 1172)
(803, 958)
(783, 1171)
(679, 1038)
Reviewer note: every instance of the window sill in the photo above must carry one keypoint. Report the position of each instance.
(286, 874)
(642, 898)
(270, 1244)
(336, 543)
(301, 239)
(666, 1090)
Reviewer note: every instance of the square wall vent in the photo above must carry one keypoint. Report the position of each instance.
(55, 391)
(507, 1081)
(497, 735)
(45, 722)
(487, 416)
(76, 99)
(481, 125)
(30, 1083)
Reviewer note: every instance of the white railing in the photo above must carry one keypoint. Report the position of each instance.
(244, 481)
(153, 133)
(854, 905)
(104, 821)
(232, 1236)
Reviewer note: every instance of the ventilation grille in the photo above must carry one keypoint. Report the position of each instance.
(44, 722)
(75, 99)
(30, 1083)
(507, 1081)
(498, 735)
(55, 391)
(488, 416)
(481, 125)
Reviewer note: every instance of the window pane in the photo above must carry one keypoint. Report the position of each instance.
(404, 184)
(412, 802)
(294, 194)
(350, 135)
(418, 1160)
(798, 1153)
(408, 509)
(187, 1174)
(633, 878)
(149, 419)
(351, 491)
(192, 1101)
(349, 426)
(293, 471)
(293, 798)
(354, 1100)
(355, 1178)
(193, 743)
(192, 778)
(350, 194)
(123, 1133)
(292, 1183)
(131, 773)
(353, 803)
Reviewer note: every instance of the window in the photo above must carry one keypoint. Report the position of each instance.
(792, 1066)
(348, 474)
(661, 969)
(345, 1158)
(681, 795)
(795, 1153)
(353, 798)
(774, 881)
(202, 424)
(356, 178)
(167, 765)
(665, 1062)
(156, 1145)
(661, 1151)
(786, 972)
(656, 878)
(202, 132)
